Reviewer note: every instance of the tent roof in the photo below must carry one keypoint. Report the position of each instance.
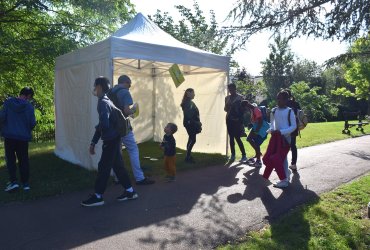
(141, 38)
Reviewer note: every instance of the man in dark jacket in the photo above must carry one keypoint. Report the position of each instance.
(111, 154)
(18, 120)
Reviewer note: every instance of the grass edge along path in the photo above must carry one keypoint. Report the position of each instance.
(337, 220)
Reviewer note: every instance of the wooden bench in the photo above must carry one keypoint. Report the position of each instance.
(349, 124)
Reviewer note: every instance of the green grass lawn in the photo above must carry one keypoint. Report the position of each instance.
(337, 221)
(313, 134)
(53, 176)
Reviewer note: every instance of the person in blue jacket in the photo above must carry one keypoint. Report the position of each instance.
(18, 119)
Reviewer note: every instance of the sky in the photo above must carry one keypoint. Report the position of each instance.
(256, 50)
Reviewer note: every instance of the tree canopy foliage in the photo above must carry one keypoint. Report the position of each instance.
(193, 29)
(277, 68)
(357, 73)
(345, 20)
(33, 33)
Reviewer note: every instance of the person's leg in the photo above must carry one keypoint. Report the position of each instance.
(10, 158)
(133, 151)
(119, 168)
(105, 165)
(293, 148)
(241, 145)
(286, 169)
(171, 167)
(24, 165)
(251, 139)
(191, 141)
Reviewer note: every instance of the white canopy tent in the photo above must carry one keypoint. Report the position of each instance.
(141, 50)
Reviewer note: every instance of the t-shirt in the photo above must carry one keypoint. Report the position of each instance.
(255, 115)
(169, 144)
(124, 98)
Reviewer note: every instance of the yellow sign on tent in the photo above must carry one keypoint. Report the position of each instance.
(176, 75)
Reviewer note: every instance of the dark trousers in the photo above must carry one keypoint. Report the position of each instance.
(234, 131)
(17, 149)
(111, 158)
(191, 141)
(293, 148)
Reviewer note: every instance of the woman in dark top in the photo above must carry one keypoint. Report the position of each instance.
(191, 121)
(293, 146)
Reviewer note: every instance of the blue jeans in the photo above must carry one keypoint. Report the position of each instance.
(133, 151)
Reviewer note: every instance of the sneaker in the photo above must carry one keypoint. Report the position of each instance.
(93, 201)
(281, 184)
(293, 167)
(145, 181)
(170, 178)
(257, 164)
(232, 158)
(250, 161)
(243, 159)
(26, 187)
(12, 186)
(127, 196)
(189, 160)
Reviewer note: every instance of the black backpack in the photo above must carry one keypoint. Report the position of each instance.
(122, 124)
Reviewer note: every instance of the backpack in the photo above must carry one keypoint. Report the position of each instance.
(121, 123)
(112, 95)
(264, 113)
(302, 119)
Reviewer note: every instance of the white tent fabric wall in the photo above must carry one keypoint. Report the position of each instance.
(144, 52)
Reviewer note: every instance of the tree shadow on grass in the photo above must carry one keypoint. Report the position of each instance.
(282, 231)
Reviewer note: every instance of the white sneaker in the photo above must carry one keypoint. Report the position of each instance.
(293, 167)
(281, 184)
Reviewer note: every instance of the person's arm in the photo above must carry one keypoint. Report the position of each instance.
(292, 127)
(104, 114)
(227, 104)
(32, 117)
(272, 121)
(3, 113)
(124, 102)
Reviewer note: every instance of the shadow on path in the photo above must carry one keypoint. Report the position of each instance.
(296, 194)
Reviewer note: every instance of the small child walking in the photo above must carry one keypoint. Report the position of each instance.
(169, 146)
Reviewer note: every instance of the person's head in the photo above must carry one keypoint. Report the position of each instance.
(232, 88)
(26, 93)
(125, 81)
(188, 95)
(170, 128)
(291, 97)
(282, 99)
(101, 86)
(247, 105)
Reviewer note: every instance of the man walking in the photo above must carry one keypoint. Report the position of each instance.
(18, 120)
(123, 100)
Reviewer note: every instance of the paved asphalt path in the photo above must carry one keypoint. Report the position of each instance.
(201, 210)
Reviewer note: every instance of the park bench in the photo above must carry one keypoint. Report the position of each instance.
(349, 124)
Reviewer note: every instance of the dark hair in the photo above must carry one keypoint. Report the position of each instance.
(103, 82)
(284, 94)
(290, 94)
(173, 127)
(124, 79)
(231, 86)
(185, 98)
(26, 91)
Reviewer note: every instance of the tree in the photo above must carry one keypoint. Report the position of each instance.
(318, 107)
(34, 33)
(327, 19)
(277, 68)
(247, 86)
(193, 29)
(357, 73)
(308, 71)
